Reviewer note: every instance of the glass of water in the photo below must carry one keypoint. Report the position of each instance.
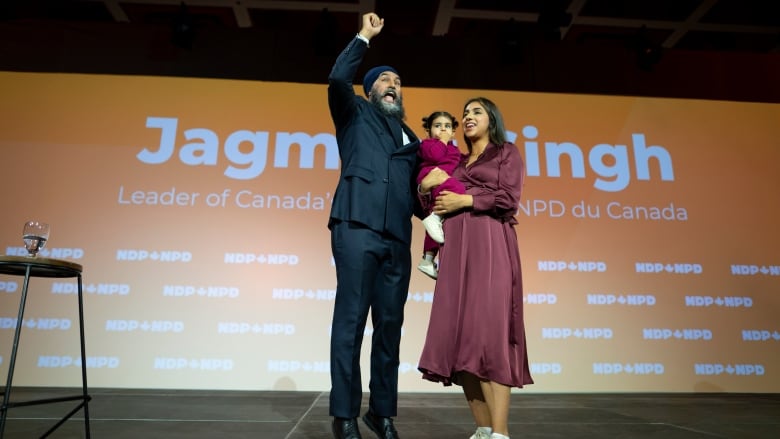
(35, 235)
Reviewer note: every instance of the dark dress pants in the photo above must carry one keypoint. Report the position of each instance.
(372, 272)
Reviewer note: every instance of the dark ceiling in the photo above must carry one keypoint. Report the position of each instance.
(718, 49)
(704, 25)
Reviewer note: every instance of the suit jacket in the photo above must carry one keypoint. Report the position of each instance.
(377, 186)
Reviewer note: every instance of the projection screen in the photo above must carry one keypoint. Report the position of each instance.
(648, 232)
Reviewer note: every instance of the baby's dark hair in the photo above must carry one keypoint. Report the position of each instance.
(427, 121)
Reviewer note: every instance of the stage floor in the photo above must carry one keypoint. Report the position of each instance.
(141, 414)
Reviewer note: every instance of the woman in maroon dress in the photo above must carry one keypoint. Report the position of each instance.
(476, 335)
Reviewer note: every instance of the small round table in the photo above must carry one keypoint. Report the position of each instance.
(50, 268)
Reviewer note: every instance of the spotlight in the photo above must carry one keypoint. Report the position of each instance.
(326, 35)
(648, 54)
(552, 17)
(510, 37)
(183, 29)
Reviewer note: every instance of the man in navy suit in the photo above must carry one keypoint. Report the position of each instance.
(371, 233)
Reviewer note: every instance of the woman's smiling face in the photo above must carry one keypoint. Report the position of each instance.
(476, 121)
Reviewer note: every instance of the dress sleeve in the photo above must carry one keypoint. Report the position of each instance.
(504, 200)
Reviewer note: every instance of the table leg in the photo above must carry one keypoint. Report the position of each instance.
(12, 361)
(83, 360)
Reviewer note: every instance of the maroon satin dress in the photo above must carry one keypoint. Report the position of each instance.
(476, 323)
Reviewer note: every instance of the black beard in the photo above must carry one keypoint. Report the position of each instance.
(396, 109)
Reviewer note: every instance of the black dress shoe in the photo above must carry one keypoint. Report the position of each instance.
(382, 426)
(345, 429)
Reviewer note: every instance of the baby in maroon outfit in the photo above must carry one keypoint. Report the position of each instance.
(437, 151)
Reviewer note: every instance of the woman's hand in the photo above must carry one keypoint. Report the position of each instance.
(448, 202)
(433, 179)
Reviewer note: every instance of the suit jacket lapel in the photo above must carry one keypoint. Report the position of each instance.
(395, 131)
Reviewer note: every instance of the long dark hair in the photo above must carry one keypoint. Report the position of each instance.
(496, 129)
(427, 121)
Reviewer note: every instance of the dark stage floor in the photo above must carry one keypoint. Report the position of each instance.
(123, 413)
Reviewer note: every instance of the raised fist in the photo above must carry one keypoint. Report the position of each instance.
(372, 25)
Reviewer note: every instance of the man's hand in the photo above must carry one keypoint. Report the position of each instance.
(372, 25)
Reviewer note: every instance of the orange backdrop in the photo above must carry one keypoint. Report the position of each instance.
(198, 208)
